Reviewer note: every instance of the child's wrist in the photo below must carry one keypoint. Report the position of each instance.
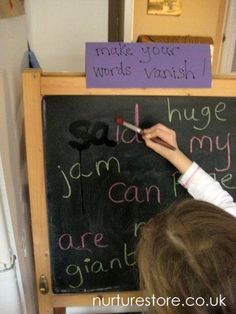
(180, 161)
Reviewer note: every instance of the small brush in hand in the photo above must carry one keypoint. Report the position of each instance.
(120, 121)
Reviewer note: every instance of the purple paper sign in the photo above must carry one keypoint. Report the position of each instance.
(148, 65)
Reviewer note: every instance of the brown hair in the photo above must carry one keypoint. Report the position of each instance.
(189, 250)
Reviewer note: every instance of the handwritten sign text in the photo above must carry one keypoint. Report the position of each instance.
(148, 65)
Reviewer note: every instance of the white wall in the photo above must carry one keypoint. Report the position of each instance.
(10, 302)
(15, 202)
(228, 61)
(58, 30)
(128, 20)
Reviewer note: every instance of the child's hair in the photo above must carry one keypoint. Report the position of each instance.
(189, 250)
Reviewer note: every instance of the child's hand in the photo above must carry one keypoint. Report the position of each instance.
(161, 131)
(177, 158)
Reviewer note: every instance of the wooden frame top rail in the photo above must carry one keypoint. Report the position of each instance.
(75, 84)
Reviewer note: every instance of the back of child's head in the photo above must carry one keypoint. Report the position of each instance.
(189, 251)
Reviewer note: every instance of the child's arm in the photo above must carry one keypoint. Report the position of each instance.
(198, 183)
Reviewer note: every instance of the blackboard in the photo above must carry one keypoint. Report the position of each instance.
(102, 183)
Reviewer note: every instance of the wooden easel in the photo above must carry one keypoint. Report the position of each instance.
(37, 84)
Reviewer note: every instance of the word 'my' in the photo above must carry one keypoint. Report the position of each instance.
(213, 146)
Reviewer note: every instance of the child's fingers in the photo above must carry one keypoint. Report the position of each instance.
(168, 136)
(158, 132)
(158, 148)
(154, 132)
(151, 129)
(165, 128)
(156, 127)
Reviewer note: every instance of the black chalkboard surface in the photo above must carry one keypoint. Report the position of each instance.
(103, 183)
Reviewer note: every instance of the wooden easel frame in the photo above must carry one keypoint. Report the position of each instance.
(37, 84)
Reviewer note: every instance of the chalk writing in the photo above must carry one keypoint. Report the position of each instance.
(203, 115)
(175, 177)
(121, 136)
(225, 181)
(66, 182)
(120, 193)
(208, 141)
(135, 136)
(67, 242)
(96, 267)
(75, 172)
(87, 133)
(137, 227)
